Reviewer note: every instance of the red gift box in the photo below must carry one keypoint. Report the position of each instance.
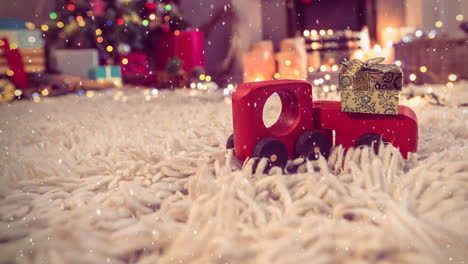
(187, 45)
(134, 63)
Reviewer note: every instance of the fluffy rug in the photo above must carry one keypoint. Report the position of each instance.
(114, 178)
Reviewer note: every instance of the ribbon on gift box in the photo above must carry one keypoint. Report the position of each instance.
(359, 75)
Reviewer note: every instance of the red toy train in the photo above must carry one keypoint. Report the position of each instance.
(306, 128)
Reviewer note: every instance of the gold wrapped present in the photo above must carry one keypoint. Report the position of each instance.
(370, 101)
(370, 75)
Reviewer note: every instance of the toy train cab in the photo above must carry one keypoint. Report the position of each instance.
(309, 129)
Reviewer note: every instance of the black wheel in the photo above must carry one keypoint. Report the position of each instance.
(311, 144)
(273, 150)
(230, 142)
(371, 140)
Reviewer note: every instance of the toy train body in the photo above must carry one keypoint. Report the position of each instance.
(309, 129)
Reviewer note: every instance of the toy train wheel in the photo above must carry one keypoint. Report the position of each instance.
(311, 144)
(273, 150)
(370, 140)
(230, 142)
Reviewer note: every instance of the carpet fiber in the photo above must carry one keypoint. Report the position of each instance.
(117, 179)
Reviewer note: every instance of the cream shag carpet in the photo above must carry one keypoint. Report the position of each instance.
(117, 179)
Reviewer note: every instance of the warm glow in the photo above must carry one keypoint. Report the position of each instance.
(359, 55)
(98, 32)
(45, 92)
(310, 69)
(230, 87)
(335, 67)
(333, 87)
(323, 68)
(29, 25)
(79, 19)
(36, 99)
(44, 27)
(276, 75)
(109, 48)
(258, 79)
(313, 32)
(90, 93)
(412, 77)
(326, 88)
(177, 32)
(327, 77)
(202, 77)
(398, 63)
(124, 61)
(423, 69)
(287, 63)
(60, 24)
(439, 24)
(377, 48)
(306, 33)
(193, 85)
(100, 39)
(418, 33)
(82, 23)
(316, 82)
(152, 17)
(459, 17)
(450, 84)
(431, 35)
(414, 101)
(208, 78)
(322, 32)
(17, 92)
(296, 72)
(148, 97)
(10, 73)
(452, 77)
(389, 29)
(330, 32)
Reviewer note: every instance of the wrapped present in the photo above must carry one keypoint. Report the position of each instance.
(12, 23)
(134, 63)
(15, 64)
(187, 45)
(370, 101)
(358, 75)
(370, 87)
(23, 38)
(106, 74)
(33, 60)
(75, 62)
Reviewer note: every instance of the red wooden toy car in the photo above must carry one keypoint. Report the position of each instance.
(306, 128)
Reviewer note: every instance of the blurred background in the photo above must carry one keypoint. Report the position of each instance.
(172, 43)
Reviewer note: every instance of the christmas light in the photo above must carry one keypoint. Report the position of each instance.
(276, 76)
(89, 13)
(287, 63)
(313, 32)
(459, 17)
(310, 69)
(323, 68)
(333, 87)
(325, 88)
(82, 23)
(79, 19)
(306, 33)
(177, 32)
(44, 27)
(327, 77)
(98, 32)
(109, 48)
(120, 21)
(168, 7)
(36, 99)
(423, 69)
(439, 24)
(452, 77)
(124, 61)
(316, 82)
(193, 85)
(71, 7)
(418, 33)
(389, 29)
(99, 39)
(208, 78)
(449, 84)
(398, 63)
(330, 32)
(335, 67)
(152, 17)
(90, 93)
(145, 22)
(10, 73)
(60, 24)
(109, 22)
(17, 92)
(322, 32)
(230, 87)
(53, 15)
(202, 77)
(29, 25)
(412, 77)
(45, 92)
(296, 72)
(148, 98)
(432, 34)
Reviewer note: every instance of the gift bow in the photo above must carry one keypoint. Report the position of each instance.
(354, 66)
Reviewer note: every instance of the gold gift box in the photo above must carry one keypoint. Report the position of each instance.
(370, 75)
(370, 87)
(370, 101)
